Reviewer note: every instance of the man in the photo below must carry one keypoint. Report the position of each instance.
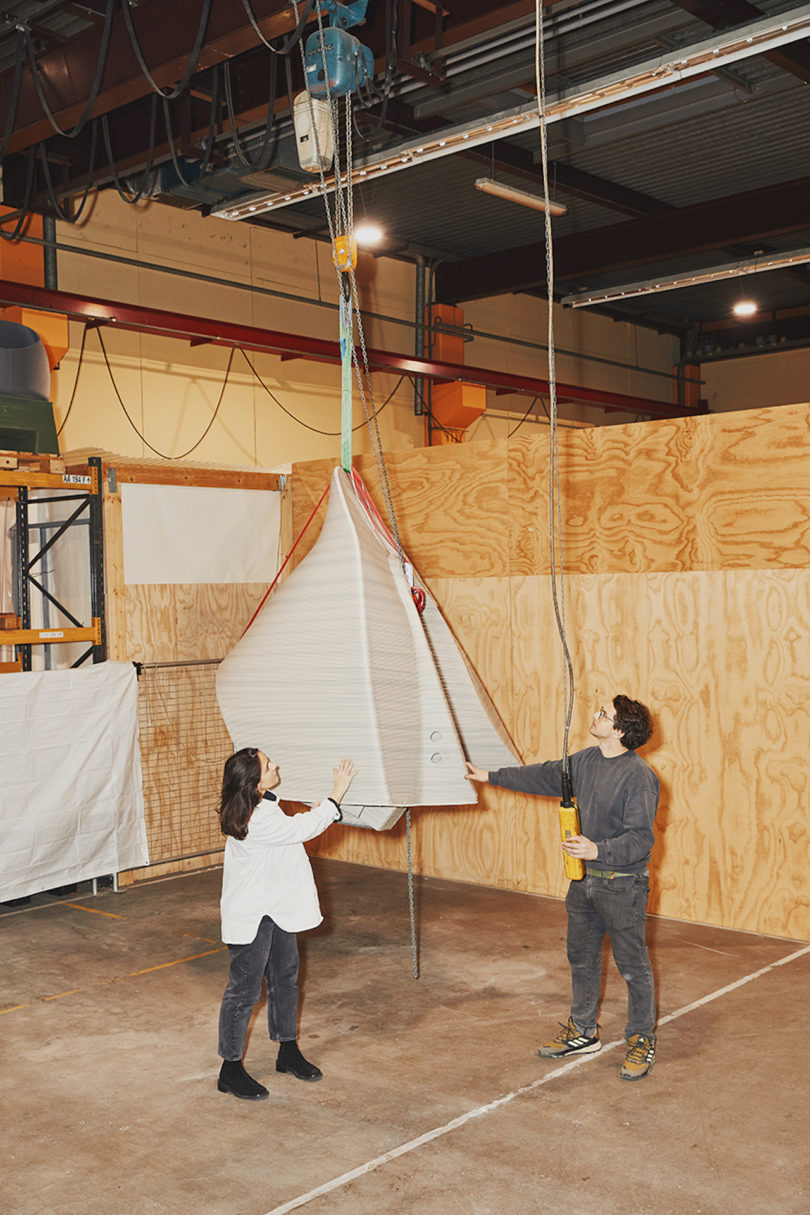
(617, 795)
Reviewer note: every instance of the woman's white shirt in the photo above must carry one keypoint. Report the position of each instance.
(269, 873)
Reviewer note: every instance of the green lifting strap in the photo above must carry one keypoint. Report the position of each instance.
(346, 350)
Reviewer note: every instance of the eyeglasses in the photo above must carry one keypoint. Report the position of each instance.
(604, 713)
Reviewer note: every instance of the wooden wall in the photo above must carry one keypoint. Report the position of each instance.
(179, 632)
(687, 585)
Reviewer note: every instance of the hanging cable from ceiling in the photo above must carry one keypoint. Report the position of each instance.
(75, 382)
(209, 142)
(147, 171)
(25, 49)
(68, 217)
(266, 148)
(332, 434)
(163, 455)
(555, 506)
(25, 210)
(19, 55)
(193, 60)
(94, 88)
(294, 37)
(370, 93)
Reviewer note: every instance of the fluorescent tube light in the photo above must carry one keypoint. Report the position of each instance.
(625, 291)
(518, 196)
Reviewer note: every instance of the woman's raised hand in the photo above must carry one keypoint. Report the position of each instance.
(344, 774)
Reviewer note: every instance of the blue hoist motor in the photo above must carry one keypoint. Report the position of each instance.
(337, 63)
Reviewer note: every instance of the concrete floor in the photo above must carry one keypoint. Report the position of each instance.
(433, 1101)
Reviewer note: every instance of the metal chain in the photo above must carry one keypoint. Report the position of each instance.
(361, 369)
(363, 374)
(414, 953)
(372, 424)
(349, 167)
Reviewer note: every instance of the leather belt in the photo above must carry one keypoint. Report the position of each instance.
(606, 873)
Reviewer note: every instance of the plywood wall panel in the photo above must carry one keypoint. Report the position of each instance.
(684, 750)
(721, 657)
(480, 609)
(471, 843)
(687, 584)
(307, 485)
(527, 472)
(764, 847)
(379, 849)
(151, 623)
(114, 598)
(615, 516)
(756, 499)
(212, 617)
(184, 622)
(452, 509)
(450, 503)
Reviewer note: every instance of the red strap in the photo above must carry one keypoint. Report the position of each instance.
(286, 559)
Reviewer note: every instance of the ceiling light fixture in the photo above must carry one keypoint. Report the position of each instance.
(368, 236)
(624, 291)
(489, 186)
(660, 72)
(745, 308)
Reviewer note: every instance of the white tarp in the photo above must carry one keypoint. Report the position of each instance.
(71, 794)
(197, 534)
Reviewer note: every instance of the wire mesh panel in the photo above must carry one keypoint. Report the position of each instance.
(184, 745)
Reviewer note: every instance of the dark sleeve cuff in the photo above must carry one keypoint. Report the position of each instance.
(337, 807)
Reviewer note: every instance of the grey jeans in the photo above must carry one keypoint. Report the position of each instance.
(273, 956)
(617, 907)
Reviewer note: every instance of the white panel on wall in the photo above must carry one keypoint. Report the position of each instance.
(199, 534)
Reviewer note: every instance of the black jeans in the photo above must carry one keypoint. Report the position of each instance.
(618, 907)
(273, 956)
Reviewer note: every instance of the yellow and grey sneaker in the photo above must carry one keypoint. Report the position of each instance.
(570, 1042)
(639, 1058)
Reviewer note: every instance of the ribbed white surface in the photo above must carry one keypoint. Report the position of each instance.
(339, 663)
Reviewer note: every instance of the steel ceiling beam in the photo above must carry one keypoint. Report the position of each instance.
(125, 87)
(660, 72)
(165, 32)
(721, 14)
(716, 224)
(196, 329)
(581, 184)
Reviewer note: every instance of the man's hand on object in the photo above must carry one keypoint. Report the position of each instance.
(476, 774)
(581, 847)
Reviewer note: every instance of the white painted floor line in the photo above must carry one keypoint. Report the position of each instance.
(722, 991)
(482, 1110)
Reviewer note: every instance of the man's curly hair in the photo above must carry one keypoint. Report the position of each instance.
(634, 721)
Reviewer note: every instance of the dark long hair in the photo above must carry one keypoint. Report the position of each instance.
(240, 791)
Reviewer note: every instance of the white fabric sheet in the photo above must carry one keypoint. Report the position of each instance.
(188, 533)
(71, 794)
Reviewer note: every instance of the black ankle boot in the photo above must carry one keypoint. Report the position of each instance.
(234, 1079)
(291, 1060)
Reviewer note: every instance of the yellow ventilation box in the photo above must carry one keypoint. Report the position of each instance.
(458, 405)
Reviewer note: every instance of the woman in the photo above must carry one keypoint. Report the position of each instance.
(268, 895)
